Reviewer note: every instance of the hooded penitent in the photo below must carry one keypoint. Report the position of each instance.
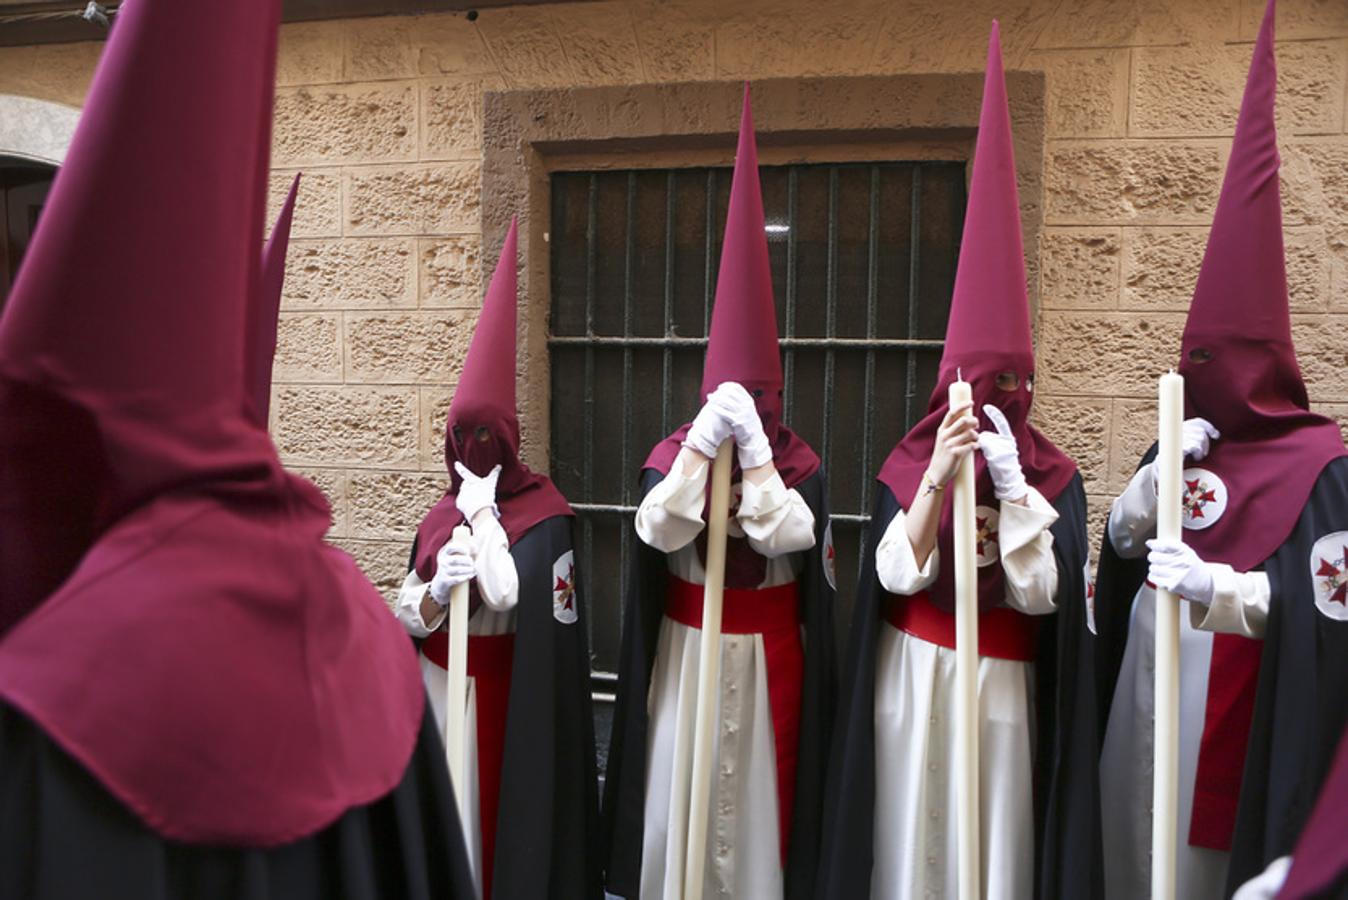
(1243, 499)
(222, 672)
(483, 430)
(988, 335)
(260, 342)
(742, 347)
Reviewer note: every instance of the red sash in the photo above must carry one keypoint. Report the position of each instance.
(490, 658)
(1002, 633)
(773, 613)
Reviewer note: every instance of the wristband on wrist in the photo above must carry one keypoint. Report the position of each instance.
(929, 485)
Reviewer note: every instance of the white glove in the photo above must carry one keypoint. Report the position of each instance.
(1268, 883)
(1175, 567)
(453, 566)
(754, 449)
(1196, 437)
(1008, 481)
(477, 494)
(712, 427)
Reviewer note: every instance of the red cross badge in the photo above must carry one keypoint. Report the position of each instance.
(1329, 575)
(564, 588)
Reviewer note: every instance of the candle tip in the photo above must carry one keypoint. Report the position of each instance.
(959, 374)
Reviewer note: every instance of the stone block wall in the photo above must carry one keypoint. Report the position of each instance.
(385, 118)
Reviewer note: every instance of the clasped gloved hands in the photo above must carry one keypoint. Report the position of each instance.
(730, 412)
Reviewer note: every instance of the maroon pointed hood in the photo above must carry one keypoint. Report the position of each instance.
(261, 337)
(483, 429)
(988, 333)
(225, 674)
(1272, 447)
(742, 345)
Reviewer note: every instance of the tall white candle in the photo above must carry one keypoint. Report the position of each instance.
(966, 668)
(456, 684)
(1165, 769)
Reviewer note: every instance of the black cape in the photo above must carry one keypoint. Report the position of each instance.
(625, 784)
(1069, 852)
(548, 814)
(63, 836)
(1301, 704)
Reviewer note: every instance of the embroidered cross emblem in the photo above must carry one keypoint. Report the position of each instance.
(1336, 578)
(1197, 495)
(987, 534)
(565, 589)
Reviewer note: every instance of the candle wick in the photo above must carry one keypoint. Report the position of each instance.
(959, 374)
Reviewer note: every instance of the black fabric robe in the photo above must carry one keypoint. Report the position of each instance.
(1069, 854)
(547, 823)
(63, 836)
(1301, 704)
(625, 784)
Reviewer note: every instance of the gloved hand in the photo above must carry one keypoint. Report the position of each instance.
(453, 565)
(477, 493)
(1008, 481)
(1175, 567)
(1196, 437)
(750, 439)
(712, 427)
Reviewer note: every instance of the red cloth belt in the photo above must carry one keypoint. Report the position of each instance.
(1233, 675)
(773, 613)
(490, 658)
(1002, 633)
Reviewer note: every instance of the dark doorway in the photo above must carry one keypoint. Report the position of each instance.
(23, 191)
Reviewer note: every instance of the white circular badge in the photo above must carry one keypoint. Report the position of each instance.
(986, 536)
(1329, 575)
(1203, 498)
(564, 588)
(829, 557)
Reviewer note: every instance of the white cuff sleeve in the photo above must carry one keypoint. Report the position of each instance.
(408, 607)
(670, 515)
(1027, 554)
(895, 564)
(1132, 518)
(1239, 603)
(497, 580)
(776, 520)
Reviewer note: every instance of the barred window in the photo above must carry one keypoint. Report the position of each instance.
(863, 265)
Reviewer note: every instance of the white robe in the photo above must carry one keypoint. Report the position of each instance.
(1240, 606)
(498, 584)
(743, 849)
(915, 803)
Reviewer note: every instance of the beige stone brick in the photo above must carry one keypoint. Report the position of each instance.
(1141, 182)
(406, 46)
(318, 206)
(355, 273)
(1160, 267)
(434, 412)
(1106, 354)
(407, 348)
(451, 272)
(676, 44)
(1087, 93)
(1338, 272)
(380, 48)
(524, 41)
(345, 124)
(415, 200)
(600, 43)
(840, 43)
(390, 505)
(1323, 354)
(937, 36)
(450, 45)
(310, 53)
(383, 562)
(1080, 428)
(451, 116)
(356, 426)
(57, 72)
(1189, 91)
(1309, 262)
(332, 482)
(1297, 18)
(1135, 425)
(1315, 181)
(1107, 23)
(1097, 518)
(1080, 268)
(308, 349)
(755, 44)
